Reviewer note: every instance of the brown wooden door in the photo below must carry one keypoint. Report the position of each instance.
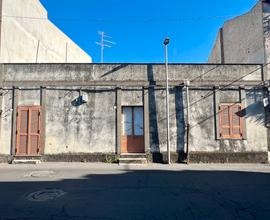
(132, 140)
(28, 130)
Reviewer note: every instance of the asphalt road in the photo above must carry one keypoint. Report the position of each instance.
(65, 191)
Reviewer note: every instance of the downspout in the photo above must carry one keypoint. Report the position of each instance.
(188, 119)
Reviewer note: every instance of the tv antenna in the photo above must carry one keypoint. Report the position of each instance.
(104, 43)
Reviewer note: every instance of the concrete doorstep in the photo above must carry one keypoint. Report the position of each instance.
(25, 161)
(136, 159)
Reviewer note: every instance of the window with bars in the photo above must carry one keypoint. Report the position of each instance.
(231, 121)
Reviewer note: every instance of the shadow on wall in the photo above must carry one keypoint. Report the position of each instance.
(139, 194)
(121, 66)
(154, 122)
(254, 113)
(254, 110)
(180, 119)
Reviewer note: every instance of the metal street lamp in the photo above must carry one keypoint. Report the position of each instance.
(166, 42)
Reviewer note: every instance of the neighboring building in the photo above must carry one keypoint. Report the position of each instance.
(242, 39)
(245, 39)
(27, 36)
(90, 112)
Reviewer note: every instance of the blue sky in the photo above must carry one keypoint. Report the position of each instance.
(140, 26)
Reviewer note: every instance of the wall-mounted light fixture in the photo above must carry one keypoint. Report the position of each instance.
(82, 99)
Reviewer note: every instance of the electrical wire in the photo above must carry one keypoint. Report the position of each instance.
(135, 20)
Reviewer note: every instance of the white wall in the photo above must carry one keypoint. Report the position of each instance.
(20, 36)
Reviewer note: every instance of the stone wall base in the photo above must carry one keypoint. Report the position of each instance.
(220, 157)
(5, 159)
(181, 157)
(94, 157)
(211, 157)
(156, 157)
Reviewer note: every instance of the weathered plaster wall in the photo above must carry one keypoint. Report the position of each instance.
(26, 40)
(6, 122)
(255, 121)
(88, 128)
(29, 97)
(243, 39)
(202, 124)
(132, 97)
(91, 128)
(157, 119)
(204, 131)
(124, 74)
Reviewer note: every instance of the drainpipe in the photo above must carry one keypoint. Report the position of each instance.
(188, 119)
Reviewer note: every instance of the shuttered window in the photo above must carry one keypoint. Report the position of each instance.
(231, 121)
(28, 130)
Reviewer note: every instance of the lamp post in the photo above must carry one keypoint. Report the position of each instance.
(166, 42)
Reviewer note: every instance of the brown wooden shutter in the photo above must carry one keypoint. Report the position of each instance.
(34, 131)
(236, 125)
(231, 121)
(22, 131)
(224, 121)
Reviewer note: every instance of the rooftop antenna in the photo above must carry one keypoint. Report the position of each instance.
(104, 43)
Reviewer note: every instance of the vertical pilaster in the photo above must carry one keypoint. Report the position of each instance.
(118, 119)
(146, 120)
(43, 119)
(216, 97)
(242, 96)
(15, 100)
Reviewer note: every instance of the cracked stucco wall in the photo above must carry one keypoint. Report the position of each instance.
(91, 128)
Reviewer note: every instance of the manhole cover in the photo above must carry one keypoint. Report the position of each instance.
(45, 195)
(43, 173)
